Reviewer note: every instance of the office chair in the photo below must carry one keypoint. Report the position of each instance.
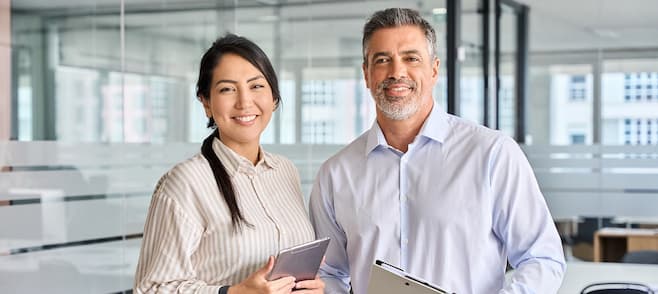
(617, 288)
(641, 256)
(582, 243)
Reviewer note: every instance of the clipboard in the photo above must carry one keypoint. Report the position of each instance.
(388, 279)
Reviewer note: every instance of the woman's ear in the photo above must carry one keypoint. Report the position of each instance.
(206, 106)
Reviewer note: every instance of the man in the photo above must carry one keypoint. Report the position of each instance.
(442, 198)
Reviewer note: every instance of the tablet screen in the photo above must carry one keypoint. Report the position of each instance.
(301, 261)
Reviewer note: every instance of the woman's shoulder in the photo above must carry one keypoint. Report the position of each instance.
(185, 174)
(190, 167)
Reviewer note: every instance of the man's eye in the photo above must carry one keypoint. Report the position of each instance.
(381, 60)
(413, 59)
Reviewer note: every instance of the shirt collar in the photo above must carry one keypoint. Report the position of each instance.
(234, 162)
(435, 128)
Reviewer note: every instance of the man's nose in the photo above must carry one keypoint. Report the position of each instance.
(397, 70)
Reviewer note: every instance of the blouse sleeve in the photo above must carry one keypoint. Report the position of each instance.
(170, 239)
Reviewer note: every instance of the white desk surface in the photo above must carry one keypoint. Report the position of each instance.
(581, 274)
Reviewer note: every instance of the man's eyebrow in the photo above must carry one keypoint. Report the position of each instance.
(411, 51)
(383, 53)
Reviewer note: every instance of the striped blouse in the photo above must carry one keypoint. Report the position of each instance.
(189, 245)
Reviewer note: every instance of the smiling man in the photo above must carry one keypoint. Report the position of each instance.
(442, 198)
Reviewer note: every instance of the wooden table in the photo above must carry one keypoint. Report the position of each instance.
(610, 244)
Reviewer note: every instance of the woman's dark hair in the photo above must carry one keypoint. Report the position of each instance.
(248, 50)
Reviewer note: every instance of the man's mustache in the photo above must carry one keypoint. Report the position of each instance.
(391, 81)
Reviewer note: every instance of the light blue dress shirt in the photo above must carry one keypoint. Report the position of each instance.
(452, 210)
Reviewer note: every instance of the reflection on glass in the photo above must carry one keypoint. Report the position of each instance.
(571, 104)
(630, 102)
(471, 84)
(506, 95)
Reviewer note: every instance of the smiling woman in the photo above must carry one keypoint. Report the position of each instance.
(216, 218)
(240, 103)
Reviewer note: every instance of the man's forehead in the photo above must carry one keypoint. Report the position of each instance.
(397, 44)
(403, 34)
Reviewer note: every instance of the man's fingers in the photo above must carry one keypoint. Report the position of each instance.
(309, 284)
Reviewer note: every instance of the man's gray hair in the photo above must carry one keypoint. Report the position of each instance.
(396, 17)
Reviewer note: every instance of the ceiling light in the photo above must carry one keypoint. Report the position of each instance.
(439, 11)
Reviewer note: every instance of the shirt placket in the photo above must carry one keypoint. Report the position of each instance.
(404, 238)
(262, 199)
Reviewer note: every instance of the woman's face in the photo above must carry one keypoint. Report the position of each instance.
(240, 102)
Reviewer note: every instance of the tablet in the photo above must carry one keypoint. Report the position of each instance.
(388, 279)
(301, 261)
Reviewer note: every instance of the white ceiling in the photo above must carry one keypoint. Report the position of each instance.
(592, 24)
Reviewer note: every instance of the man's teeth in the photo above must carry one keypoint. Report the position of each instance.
(399, 88)
(245, 118)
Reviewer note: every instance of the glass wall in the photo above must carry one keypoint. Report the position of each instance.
(630, 101)
(130, 77)
(103, 103)
(592, 116)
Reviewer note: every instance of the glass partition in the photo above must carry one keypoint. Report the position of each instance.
(103, 100)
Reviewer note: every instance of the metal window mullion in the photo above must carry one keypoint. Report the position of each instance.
(521, 71)
(453, 37)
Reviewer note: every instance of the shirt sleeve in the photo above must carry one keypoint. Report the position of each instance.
(335, 270)
(524, 224)
(170, 239)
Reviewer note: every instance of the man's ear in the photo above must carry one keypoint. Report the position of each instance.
(364, 67)
(435, 68)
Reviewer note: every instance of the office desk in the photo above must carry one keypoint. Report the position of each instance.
(581, 274)
(610, 244)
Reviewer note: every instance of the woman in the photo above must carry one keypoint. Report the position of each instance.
(217, 217)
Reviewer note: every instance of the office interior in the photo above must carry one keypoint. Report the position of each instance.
(97, 101)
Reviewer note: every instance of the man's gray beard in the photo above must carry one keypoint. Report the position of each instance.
(397, 111)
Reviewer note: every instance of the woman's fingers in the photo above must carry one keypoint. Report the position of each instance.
(284, 284)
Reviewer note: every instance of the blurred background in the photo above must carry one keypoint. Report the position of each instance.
(97, 101)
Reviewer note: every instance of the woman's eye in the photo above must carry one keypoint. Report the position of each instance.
(224, 90)
(257, 86)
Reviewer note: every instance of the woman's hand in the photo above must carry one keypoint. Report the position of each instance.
(310, 286)
(258, 284)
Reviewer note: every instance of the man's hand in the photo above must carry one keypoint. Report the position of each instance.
(310, 286)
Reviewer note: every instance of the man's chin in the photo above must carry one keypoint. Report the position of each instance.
(397, 113)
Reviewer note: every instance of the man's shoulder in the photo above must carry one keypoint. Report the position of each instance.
(463, 129)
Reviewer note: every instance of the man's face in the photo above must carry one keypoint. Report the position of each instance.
(399, 71)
